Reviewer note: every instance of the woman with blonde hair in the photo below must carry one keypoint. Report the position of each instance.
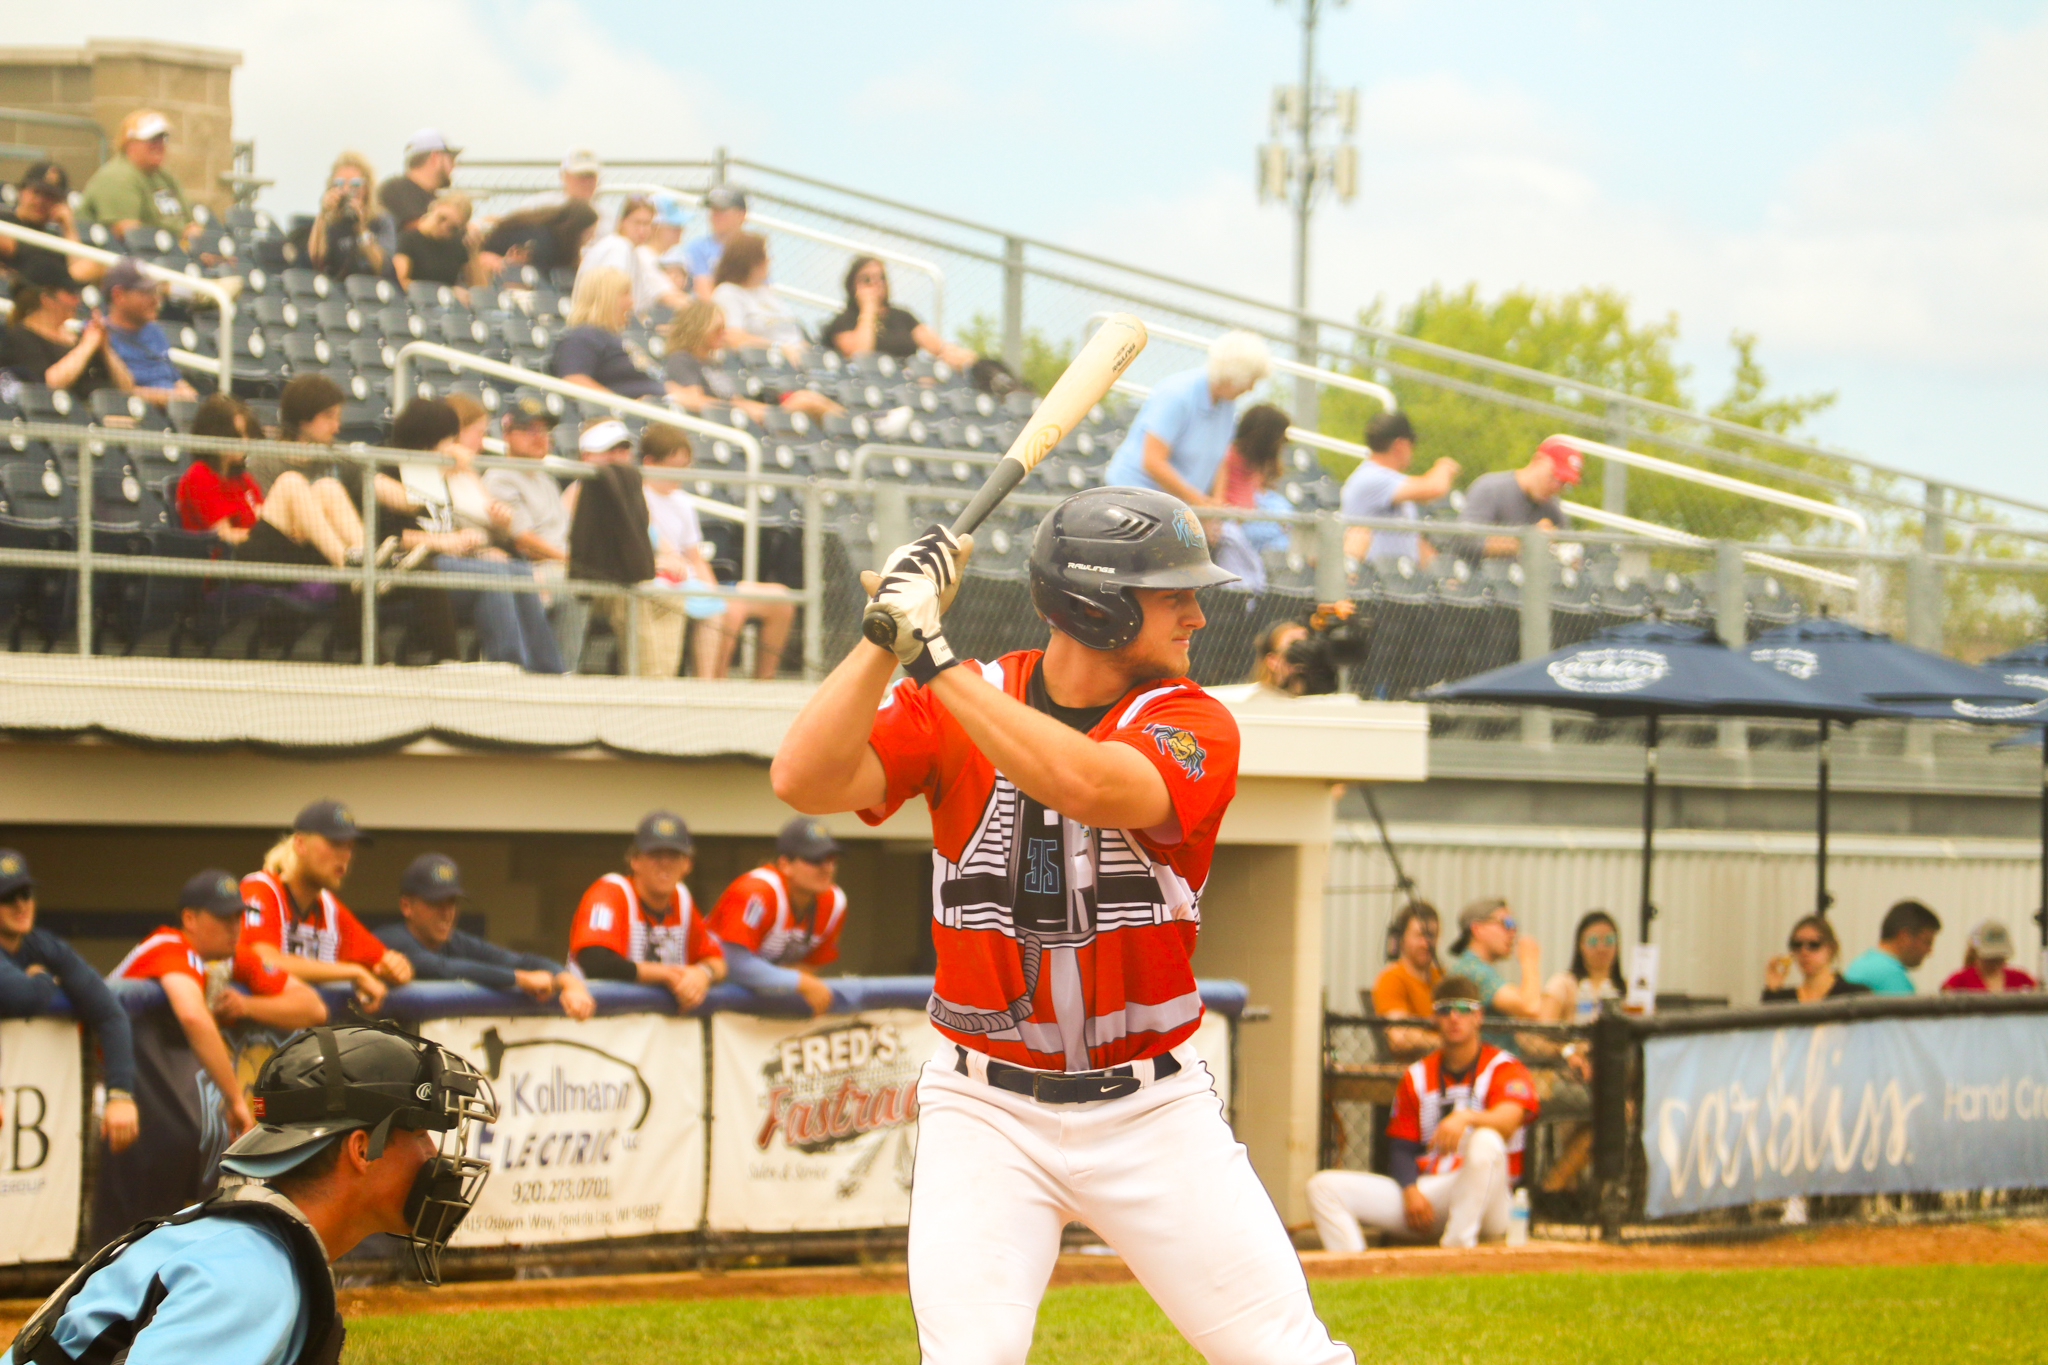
(591, 350)
(696, 335)
(342, 239)
(436, 248)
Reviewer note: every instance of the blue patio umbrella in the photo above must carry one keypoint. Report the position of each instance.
(1843, 663)
(2025, 668)
(1651, 669)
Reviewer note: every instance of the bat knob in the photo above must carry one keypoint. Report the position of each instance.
(878, 626)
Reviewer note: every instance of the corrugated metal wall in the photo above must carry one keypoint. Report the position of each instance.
(1727, 899)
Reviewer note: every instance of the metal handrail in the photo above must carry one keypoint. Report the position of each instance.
(1770, 563)
(459, 361)
(1328, 378)
(213, 289)
(1740, 487)
(1300, 436)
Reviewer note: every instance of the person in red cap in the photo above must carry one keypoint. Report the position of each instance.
(1521, 497)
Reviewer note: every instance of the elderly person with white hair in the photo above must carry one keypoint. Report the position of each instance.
(1180, 435)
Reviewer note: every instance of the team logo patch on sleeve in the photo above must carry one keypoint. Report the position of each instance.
(1181, 746)
(1518, 1090)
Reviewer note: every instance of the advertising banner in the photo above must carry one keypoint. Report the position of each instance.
(42, 1139)
(600, 1126)
(1868, 1107)
(814, 1121)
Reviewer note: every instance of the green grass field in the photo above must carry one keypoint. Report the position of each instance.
(1785, 1317)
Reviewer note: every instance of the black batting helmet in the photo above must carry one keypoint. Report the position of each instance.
(1092, 549)
(329, 1080)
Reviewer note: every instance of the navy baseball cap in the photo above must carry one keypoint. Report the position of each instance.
(725, 197)
(126, 273)
(214, 891)
(662, 831)
(13, 873)
(528, 412)
(806, 839)
(330, 820)
(432, 877)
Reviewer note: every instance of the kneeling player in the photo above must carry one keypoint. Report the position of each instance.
(1075, 796)
(1457, 1130)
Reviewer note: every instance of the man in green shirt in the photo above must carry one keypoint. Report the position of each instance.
(133, 189)
(1903, 942)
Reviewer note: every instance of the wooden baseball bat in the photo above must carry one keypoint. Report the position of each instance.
(1087, 378)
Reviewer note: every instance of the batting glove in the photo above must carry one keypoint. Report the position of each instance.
(936, 556)
(916, 585)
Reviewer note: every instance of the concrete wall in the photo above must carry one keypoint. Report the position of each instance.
(106, 79)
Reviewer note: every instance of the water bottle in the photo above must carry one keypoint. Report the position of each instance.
(1518, 1219)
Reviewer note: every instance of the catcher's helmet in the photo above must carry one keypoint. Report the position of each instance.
(1092, 549)
(329, 1080)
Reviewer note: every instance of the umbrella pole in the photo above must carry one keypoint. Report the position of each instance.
(1820, 877)
(1646, 911)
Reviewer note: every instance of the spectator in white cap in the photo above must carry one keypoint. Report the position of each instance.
(628, 249)
(133, 189)
(725, 217)
(1181, 433)
(429, 169)
(1985, 963)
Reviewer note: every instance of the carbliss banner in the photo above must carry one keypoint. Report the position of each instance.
(42, 1139)
(1867, 1107)
(814, 1121)
(600, 1126)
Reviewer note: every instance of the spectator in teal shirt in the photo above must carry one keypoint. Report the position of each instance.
(1904, 940)
(1486, 941)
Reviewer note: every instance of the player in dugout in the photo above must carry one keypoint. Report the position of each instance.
(644, 926)
(785, 916)
(364, 1130)
(296, 920)
(1459, 1117)
(210, 912)
(430, 896)
(1075, 797)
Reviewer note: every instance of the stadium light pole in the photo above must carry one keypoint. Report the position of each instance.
(1297, 174)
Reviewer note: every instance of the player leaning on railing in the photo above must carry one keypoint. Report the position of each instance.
(1075, 796)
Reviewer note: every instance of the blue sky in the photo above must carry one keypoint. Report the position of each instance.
(1863, 185)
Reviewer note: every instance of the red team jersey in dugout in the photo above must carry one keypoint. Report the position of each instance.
(1060, 946)
(610, 916)
(167, 952)
(755, 913)
(330, 934)
(1424, 1097)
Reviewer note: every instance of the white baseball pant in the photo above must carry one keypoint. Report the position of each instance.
(1470, 1202)
(1158, 1175)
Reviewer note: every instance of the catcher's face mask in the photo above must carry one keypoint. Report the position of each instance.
(458, 1099)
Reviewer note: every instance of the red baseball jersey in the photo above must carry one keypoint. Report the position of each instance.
(1425, 1095)
(1061, 946)
(167, 952)
(755, 913)
(330, 934)
(610, 916)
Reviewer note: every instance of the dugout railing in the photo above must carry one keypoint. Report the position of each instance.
(1716, 1123)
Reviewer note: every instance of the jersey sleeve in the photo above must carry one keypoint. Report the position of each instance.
(168, 956)
(263, 921)
(1407, 1119)
(251, 973)
(744, 913)
(1192, 741)
(601, 921)
(355, 943)
(905, 737)
(1511, 1081)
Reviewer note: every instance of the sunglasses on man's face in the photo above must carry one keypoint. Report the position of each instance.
(1506, 922)
(17, 897)
(1456, 1007)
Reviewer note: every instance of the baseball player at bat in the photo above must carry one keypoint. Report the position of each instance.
(1075, 795)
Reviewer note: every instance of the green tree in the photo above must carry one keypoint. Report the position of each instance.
(1044, 361)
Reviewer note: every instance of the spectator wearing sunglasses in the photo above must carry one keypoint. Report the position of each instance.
(1575, 996)
(1456, 1143)
(344, 238)
(35, 964)
(1813, 947)
(1487, 940)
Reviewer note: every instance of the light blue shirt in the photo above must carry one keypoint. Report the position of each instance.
(701, 255)
(231, 1298)
(1879, 970)
(1369, 492)
(1196, 431)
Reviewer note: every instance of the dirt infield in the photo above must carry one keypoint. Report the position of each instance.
(2017, 1242)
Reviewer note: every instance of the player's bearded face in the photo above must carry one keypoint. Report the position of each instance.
(1172, 616)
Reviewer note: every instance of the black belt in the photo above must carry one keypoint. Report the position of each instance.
(1069, 1087)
